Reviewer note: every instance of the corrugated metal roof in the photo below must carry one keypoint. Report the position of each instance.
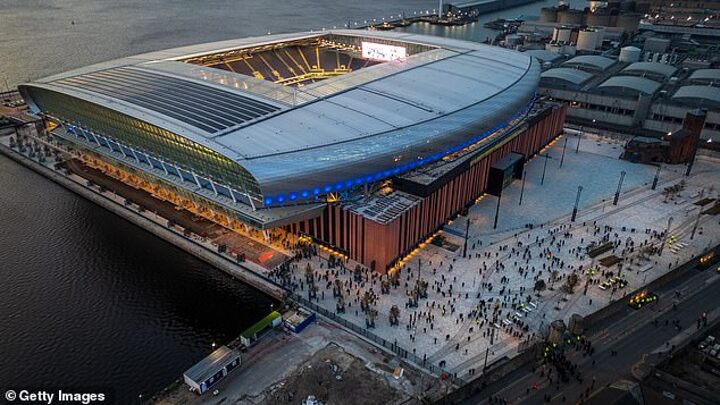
(574, 76)
(594, 61)
(705, 74)
(651, 67)
(211, 364)
(699, 93)
(206, 108)
(639, 84)
(543, 55)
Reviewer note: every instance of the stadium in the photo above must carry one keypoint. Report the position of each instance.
(365, 142)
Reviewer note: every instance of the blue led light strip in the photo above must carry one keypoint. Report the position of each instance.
(317, 191)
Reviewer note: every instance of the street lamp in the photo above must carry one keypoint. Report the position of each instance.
(619, 187)
(657, 177)
(522, 188)
(497, 209)
(667, 232)
(697, 222)
(577, 147)
(467, 232)
(577, 201)
(542, 180)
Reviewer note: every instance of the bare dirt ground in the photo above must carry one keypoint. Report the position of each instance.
(336, 377)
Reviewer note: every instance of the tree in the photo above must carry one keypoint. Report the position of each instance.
(394, 316)
(338, 288)
(422, 289)
(540, 285)
(312, 291)
(570, 283)
(370, 319)
(572, 280)
(395, 278)
(385, 287)
(309, 273)
(367, 301)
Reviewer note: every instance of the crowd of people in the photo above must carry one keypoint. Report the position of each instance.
(446, 303)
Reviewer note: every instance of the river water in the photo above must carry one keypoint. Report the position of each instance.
(89, 300)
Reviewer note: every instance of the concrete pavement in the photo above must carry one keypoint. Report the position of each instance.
(630, 337)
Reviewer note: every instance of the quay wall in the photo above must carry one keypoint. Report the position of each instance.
(237, 271)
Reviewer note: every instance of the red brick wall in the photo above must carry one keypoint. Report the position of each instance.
(378, 246)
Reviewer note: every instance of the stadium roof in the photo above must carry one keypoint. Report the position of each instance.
(591, 61)
(364, 125)
(660, 69)
(638, 84)
(698, 94)
(573, 76)
(543, 55)
(706, 75)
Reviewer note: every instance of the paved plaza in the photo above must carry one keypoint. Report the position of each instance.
(516, 279)
(487, 302)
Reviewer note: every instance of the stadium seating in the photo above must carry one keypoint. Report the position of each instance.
(294, 64)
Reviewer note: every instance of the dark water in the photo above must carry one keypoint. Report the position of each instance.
(477, 32)
(90, 300)
(87, 299)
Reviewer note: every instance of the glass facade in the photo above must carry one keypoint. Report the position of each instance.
(145, 137)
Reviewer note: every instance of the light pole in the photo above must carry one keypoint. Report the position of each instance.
(417, 285)
(522, 188)
(697, 222)
(467, 231)
(577, 201)
(497, 211)
(562, 158)
(546, 156)
(619, 187)
(577, 147)
(487, 351)
(667, 232)
(657, 177)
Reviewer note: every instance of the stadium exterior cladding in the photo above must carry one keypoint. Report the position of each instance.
(274, 155)
(338, 133)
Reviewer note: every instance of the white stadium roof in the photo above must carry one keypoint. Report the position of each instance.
(381, 119)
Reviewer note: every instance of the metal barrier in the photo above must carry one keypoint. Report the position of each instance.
(393, 347)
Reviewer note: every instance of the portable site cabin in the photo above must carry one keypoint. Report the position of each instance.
(298, 320)
(211, 369)
(252, 334)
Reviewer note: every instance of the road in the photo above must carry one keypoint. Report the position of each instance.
(631, 336)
